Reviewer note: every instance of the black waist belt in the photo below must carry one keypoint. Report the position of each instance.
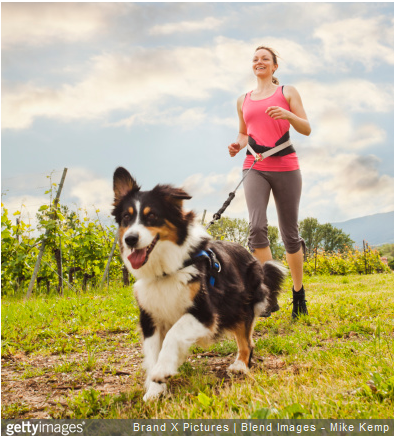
(262, 149)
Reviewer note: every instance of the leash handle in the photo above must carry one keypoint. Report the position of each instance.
(217, 215)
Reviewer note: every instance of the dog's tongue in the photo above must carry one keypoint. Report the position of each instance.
(137, 258)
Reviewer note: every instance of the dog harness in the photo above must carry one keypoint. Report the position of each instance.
(210, 257)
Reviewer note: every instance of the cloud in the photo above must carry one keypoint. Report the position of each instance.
(368, 41)
(338, 131)
(351, 95)
(82, 189)
(88, 190)
(190, 117)
(208, 23)
(147, 79)
(199, 185)
(27, 205)
(345, 185)
(38, 24)
(334, 111)
(138, 81)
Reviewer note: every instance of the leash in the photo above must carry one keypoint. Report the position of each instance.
(258, 157)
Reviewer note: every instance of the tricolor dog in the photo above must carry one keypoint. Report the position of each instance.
(190, 288)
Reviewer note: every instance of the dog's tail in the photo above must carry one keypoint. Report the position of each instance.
(274, 276)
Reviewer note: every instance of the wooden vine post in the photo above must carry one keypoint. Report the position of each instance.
(38, 261)
(106, 272)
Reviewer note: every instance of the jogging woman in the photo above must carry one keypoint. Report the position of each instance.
(265, 115)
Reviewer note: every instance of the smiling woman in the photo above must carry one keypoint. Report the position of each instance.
(265, 116)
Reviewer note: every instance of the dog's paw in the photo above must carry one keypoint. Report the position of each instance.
(238, 367)
(161, 373)
(154, 391)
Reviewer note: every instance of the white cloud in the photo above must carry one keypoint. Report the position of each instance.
(27, 205)
(368, 41)
(173, 116)
(345, 185)
(144, 81)
(139, 82)
(199, 185)
(351, 95)
(89, 191)
(333, 111)
(207, 23)
(82, 189)
(37, 24)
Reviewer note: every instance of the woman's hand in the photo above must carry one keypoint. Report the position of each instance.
(278, 113)
(234, 148)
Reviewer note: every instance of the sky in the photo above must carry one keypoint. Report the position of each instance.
(153, 87)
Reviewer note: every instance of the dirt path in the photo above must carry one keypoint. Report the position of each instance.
(38, 386)
(45, 386)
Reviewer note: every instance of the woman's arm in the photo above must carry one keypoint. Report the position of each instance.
(242, 137)
(296, 116)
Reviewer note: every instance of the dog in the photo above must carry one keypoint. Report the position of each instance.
(190, 288)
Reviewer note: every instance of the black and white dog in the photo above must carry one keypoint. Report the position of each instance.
(190, 288)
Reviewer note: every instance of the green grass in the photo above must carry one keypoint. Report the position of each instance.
(55, 325)
(335, 363)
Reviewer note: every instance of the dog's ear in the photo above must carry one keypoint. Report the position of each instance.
(123, 183)
(173, 195)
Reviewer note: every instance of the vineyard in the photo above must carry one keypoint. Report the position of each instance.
(77, 249)
(76, 252)
(347, 262)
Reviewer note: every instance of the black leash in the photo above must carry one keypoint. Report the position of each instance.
(231, 196)
(282, 144)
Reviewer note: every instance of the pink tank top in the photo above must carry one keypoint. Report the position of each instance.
(266, 131)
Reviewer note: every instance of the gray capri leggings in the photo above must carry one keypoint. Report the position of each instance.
(286, 188)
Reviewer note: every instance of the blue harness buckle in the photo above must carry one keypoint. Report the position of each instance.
(214, 264)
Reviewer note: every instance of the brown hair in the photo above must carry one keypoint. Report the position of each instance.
(274, 58)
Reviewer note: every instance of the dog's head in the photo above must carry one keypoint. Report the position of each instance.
(147, 218)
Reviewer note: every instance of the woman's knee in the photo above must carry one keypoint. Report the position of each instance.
(258, 236)
(293, 246)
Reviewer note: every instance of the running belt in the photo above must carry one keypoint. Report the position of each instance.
(283, 143)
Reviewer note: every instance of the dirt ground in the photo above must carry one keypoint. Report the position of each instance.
(36, 396)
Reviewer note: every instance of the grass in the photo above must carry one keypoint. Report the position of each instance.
(335, 363)
(56, 325)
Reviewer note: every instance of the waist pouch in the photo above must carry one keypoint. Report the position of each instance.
(261, 148)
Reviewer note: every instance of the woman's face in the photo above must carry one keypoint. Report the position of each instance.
(263, 64)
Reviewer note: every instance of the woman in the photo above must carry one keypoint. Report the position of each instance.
(265, 115)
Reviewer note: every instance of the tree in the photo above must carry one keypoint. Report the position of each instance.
(237, 230)
(277, 248)
(310, 230)
(231, 229)
(334, 239)
(324, 236)
(388, 250)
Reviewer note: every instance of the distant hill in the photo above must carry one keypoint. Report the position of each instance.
(375, 229)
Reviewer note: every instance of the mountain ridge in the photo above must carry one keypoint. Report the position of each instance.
(376, 229)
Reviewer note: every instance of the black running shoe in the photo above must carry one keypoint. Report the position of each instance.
(299, 304)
